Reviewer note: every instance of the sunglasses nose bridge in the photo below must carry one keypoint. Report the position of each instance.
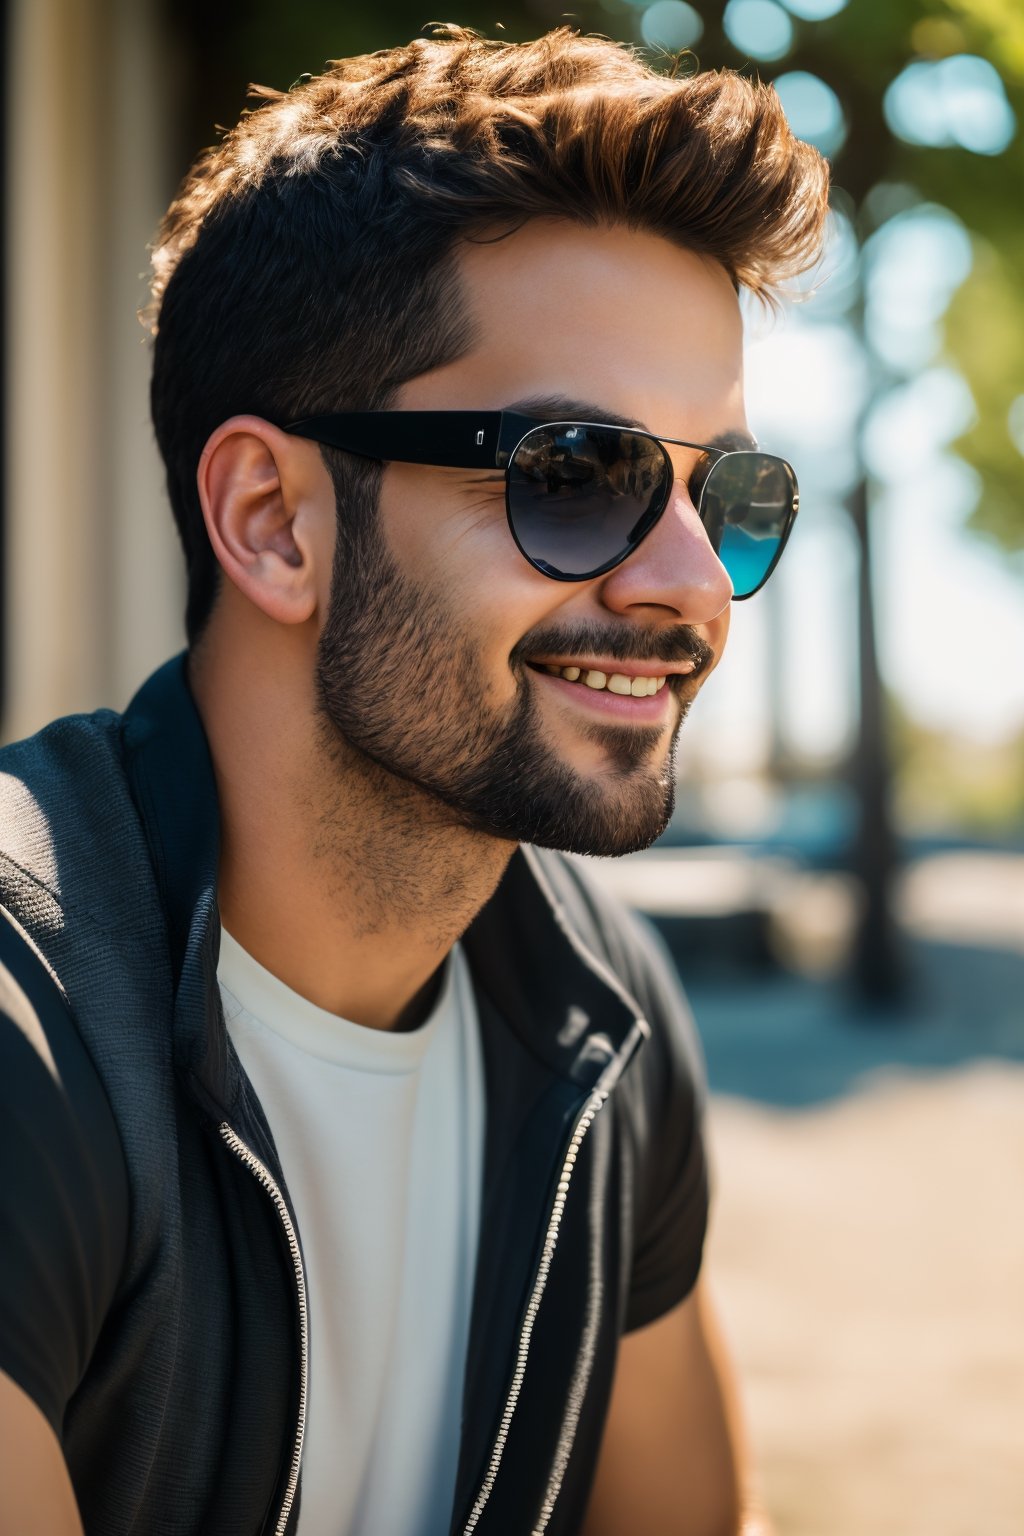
(684, 501)
(673, 567)
(679, 461)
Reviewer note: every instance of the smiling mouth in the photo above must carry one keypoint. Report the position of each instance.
(599, 681)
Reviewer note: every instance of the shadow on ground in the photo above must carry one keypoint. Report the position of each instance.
(788, 1041)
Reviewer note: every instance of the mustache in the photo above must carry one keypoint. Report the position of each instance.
(621, 642)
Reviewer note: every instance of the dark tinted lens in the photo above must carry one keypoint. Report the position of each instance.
(747, 507)
(580, 498)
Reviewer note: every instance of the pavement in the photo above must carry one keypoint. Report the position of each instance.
(793, 1041)
(866, 1246)
(867, 1258)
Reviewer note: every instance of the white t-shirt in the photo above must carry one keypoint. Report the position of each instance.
(380, 1137)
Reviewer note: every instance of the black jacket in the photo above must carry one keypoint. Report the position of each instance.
(152, 1298)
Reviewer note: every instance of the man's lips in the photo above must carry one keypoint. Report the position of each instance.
(636, 692)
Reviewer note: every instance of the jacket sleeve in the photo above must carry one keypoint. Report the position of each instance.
(668, 1094)
(63, 1187)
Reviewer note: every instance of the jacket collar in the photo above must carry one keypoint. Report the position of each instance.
(170, 773)
(526, 953)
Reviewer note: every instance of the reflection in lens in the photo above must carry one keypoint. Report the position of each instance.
(580, 498)
(747, 508)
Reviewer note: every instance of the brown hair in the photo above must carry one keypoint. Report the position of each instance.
(306, 265)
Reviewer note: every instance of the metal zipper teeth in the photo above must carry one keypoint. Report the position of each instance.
(583, 1125)
(269, 1183)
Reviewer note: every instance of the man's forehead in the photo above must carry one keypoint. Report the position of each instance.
(607, 323)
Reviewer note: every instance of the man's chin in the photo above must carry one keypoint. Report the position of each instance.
(523, 787)
(626, 806)
(606, 842)
(602, 823)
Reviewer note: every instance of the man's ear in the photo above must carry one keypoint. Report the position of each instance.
(263, 498)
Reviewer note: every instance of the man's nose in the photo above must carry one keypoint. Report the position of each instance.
(674, 570)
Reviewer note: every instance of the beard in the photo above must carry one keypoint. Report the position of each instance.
(400, 685)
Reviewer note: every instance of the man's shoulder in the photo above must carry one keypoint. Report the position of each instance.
(65, 805)
(61, 757)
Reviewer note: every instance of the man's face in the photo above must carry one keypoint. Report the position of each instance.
(439, 656)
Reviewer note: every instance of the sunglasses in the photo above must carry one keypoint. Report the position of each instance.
(581, 495)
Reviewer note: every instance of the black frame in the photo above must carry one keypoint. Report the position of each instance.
(488, 440)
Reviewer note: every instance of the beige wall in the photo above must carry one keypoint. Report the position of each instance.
(94, 586)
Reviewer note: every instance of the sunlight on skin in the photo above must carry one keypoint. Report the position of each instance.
(37, 1499)
(585, 333)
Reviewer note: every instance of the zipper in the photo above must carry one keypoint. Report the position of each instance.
(583, 1124)
(269, 1183)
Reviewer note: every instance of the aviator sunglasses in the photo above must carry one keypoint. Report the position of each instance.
(581, 495)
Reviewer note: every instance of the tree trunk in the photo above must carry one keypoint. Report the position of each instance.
(879, 974)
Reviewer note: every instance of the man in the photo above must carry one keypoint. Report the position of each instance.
(354, 1175)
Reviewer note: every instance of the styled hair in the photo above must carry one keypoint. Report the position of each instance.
(307, 263)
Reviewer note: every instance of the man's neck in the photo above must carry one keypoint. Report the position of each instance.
(348, 884)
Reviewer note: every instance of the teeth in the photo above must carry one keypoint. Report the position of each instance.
(615, 682)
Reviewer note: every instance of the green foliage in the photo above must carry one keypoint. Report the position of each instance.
(944, 782)
(984, 335)
(998, 27)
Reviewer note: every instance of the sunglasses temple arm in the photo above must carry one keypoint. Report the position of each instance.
(451, 439)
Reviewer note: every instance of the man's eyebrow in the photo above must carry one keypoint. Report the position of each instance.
(562, 408)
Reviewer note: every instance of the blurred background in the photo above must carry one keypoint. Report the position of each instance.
(843, 882)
